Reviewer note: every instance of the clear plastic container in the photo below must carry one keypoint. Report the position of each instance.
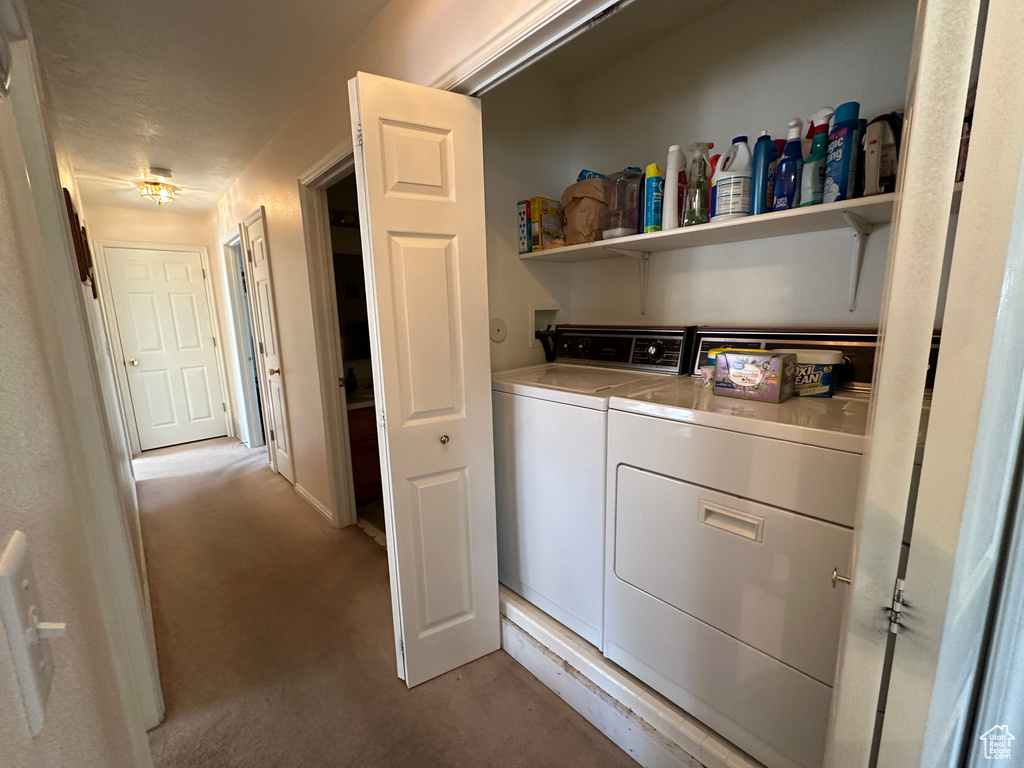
(622, 211)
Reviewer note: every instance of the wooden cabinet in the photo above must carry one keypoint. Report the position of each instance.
(362, 435)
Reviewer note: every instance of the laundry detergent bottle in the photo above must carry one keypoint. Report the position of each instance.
(733, 181)
(654, 192)
(789, 169)
(696, 204)
(762, 180)
(812, 184)
(844, 148)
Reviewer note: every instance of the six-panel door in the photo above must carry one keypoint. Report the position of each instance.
(163, 319)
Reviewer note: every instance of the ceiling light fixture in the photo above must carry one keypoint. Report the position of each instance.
(157, 191)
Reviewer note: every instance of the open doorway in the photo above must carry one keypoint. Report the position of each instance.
(354, 351)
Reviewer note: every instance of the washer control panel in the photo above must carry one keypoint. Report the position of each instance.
(666, 350)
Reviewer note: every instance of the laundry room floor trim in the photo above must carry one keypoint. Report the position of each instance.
(645, 725)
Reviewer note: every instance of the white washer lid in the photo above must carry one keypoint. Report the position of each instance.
(585, 386)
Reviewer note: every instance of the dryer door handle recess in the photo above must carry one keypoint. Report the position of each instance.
(732, 520)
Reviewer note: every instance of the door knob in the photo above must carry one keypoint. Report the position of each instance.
(836, 578)
(274, 371)
(444, 439)
(133, 361)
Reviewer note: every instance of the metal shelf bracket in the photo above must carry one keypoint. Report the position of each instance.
(861, 230)
(644, 257)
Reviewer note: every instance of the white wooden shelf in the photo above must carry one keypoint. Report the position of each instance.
(875, 210)
(861, 216)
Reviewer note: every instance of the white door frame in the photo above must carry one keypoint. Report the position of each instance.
(106, 294)
(316, 226)
(251, 421)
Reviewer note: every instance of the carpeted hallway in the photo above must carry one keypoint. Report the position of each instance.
(275, 642)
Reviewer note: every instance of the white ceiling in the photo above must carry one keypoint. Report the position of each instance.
(197, 86)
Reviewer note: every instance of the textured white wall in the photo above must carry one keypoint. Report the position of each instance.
(43, 496)
(409, 40)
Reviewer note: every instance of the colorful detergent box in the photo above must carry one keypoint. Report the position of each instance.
(754, 374)
(547, 229)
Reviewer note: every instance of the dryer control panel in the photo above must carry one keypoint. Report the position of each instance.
(666, 350)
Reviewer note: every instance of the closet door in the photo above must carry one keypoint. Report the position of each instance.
(970, 479)
(419, 173)
(938, 84)
(263, 313)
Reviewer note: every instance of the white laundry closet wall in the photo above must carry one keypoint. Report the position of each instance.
(527, 136)
(736, 70)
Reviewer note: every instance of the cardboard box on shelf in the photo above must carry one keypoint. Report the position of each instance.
(540, 225)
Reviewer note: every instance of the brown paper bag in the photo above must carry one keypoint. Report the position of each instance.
(586, 210)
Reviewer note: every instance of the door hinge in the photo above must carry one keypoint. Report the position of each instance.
(401, 646)
(359, 134)
(272, 438)
(341, 382)
(204, 272)
(249, 253)
(215, 341)
(895, 610)
(261, 349)
(383, 420)
(224, 407)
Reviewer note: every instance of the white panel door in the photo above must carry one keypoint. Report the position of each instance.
(419, 163)
(163, 319)
(939, 78)
(268, 342)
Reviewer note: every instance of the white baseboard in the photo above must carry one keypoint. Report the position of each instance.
(236, 427)
(315, 504)
(645, 725)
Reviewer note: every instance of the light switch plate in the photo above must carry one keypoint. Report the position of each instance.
(19, 610)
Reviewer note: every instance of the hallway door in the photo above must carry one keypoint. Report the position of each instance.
(166, 333)
(419, 173)
(264, 325)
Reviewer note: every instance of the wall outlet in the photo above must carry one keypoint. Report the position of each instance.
(27, 635)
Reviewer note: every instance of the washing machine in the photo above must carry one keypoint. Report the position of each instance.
(550, 445)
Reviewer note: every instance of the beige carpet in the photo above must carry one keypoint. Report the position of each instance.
(275, 642)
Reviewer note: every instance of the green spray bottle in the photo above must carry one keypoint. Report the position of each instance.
(696, 209)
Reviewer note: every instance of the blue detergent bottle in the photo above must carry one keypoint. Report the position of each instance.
(841, 165)
(654, 191)
(790, 169)
(766, 157)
